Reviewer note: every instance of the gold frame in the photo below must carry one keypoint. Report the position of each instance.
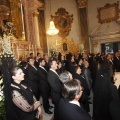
(63, 22)
(70, 47)
(108, 13)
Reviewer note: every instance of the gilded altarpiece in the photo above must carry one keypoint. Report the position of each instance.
(16, 17)
(23, 47)
(66, 46)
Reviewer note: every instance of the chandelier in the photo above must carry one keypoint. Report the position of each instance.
(52, 29)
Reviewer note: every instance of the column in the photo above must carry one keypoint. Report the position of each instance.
(95, 46)
(37, 40)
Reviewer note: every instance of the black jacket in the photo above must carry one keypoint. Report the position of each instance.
(69, 111)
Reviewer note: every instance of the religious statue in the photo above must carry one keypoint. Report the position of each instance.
(6, 46)
(7, 28)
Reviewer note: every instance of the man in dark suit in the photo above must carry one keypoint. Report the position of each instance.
(32, 78)
(87, 74)
(117, 62)
(36, 60)
(69, 107)
(110, 62)
(55, 84)
(46, 57)
(44, 85)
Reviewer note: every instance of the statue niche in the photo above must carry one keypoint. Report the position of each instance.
(64, 47)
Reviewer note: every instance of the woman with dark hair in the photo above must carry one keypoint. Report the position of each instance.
(25, 104)
(104, 93)
(60, 67)
(86, 92)
(71, 65)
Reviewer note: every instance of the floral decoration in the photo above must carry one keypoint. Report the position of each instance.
(53, 52)
(2, 107)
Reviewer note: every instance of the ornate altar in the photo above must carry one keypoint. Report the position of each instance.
(66, 46)
(23, 37)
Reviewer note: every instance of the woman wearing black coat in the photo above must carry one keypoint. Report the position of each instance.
(104, 93)
(84, 99)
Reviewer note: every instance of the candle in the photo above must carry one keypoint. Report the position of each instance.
(22, 14)
(17, 53)
(29, 47)
(35, 49)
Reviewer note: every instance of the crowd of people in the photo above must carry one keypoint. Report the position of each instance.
(68, 81)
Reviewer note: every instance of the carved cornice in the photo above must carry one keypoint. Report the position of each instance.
(35, 14)
(107, 36)
(33, 5)
(81, 3)
(95, 43)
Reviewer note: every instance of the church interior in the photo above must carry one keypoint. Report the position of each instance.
(53, 27)
(89, 26)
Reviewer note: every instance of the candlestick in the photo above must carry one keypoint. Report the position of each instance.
(35, 49)
(22, 14)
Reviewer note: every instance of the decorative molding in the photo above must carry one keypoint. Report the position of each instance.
(63, 22)
(35, 14)
(98, 40)
(33, 5)
(107, 36)
(95, 43)
(82, 3)
(108, 13)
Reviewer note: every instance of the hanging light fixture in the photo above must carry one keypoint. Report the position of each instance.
(52, 29)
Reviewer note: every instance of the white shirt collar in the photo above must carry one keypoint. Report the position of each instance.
(118, 58)
(34, 67)
(54, 72)
(43, 68)
(75, 102)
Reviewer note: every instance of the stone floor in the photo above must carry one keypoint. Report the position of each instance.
(47, 116)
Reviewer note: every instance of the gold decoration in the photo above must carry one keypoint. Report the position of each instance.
(63, 22)
(16, 17)
(65, 46)
(95, 43)
(108, 13)
(35, 14)
(82, 3)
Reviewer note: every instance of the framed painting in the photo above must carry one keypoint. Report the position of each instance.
(63, 22)
(108, 13)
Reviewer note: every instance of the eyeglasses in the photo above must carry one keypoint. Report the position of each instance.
(82, 89)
